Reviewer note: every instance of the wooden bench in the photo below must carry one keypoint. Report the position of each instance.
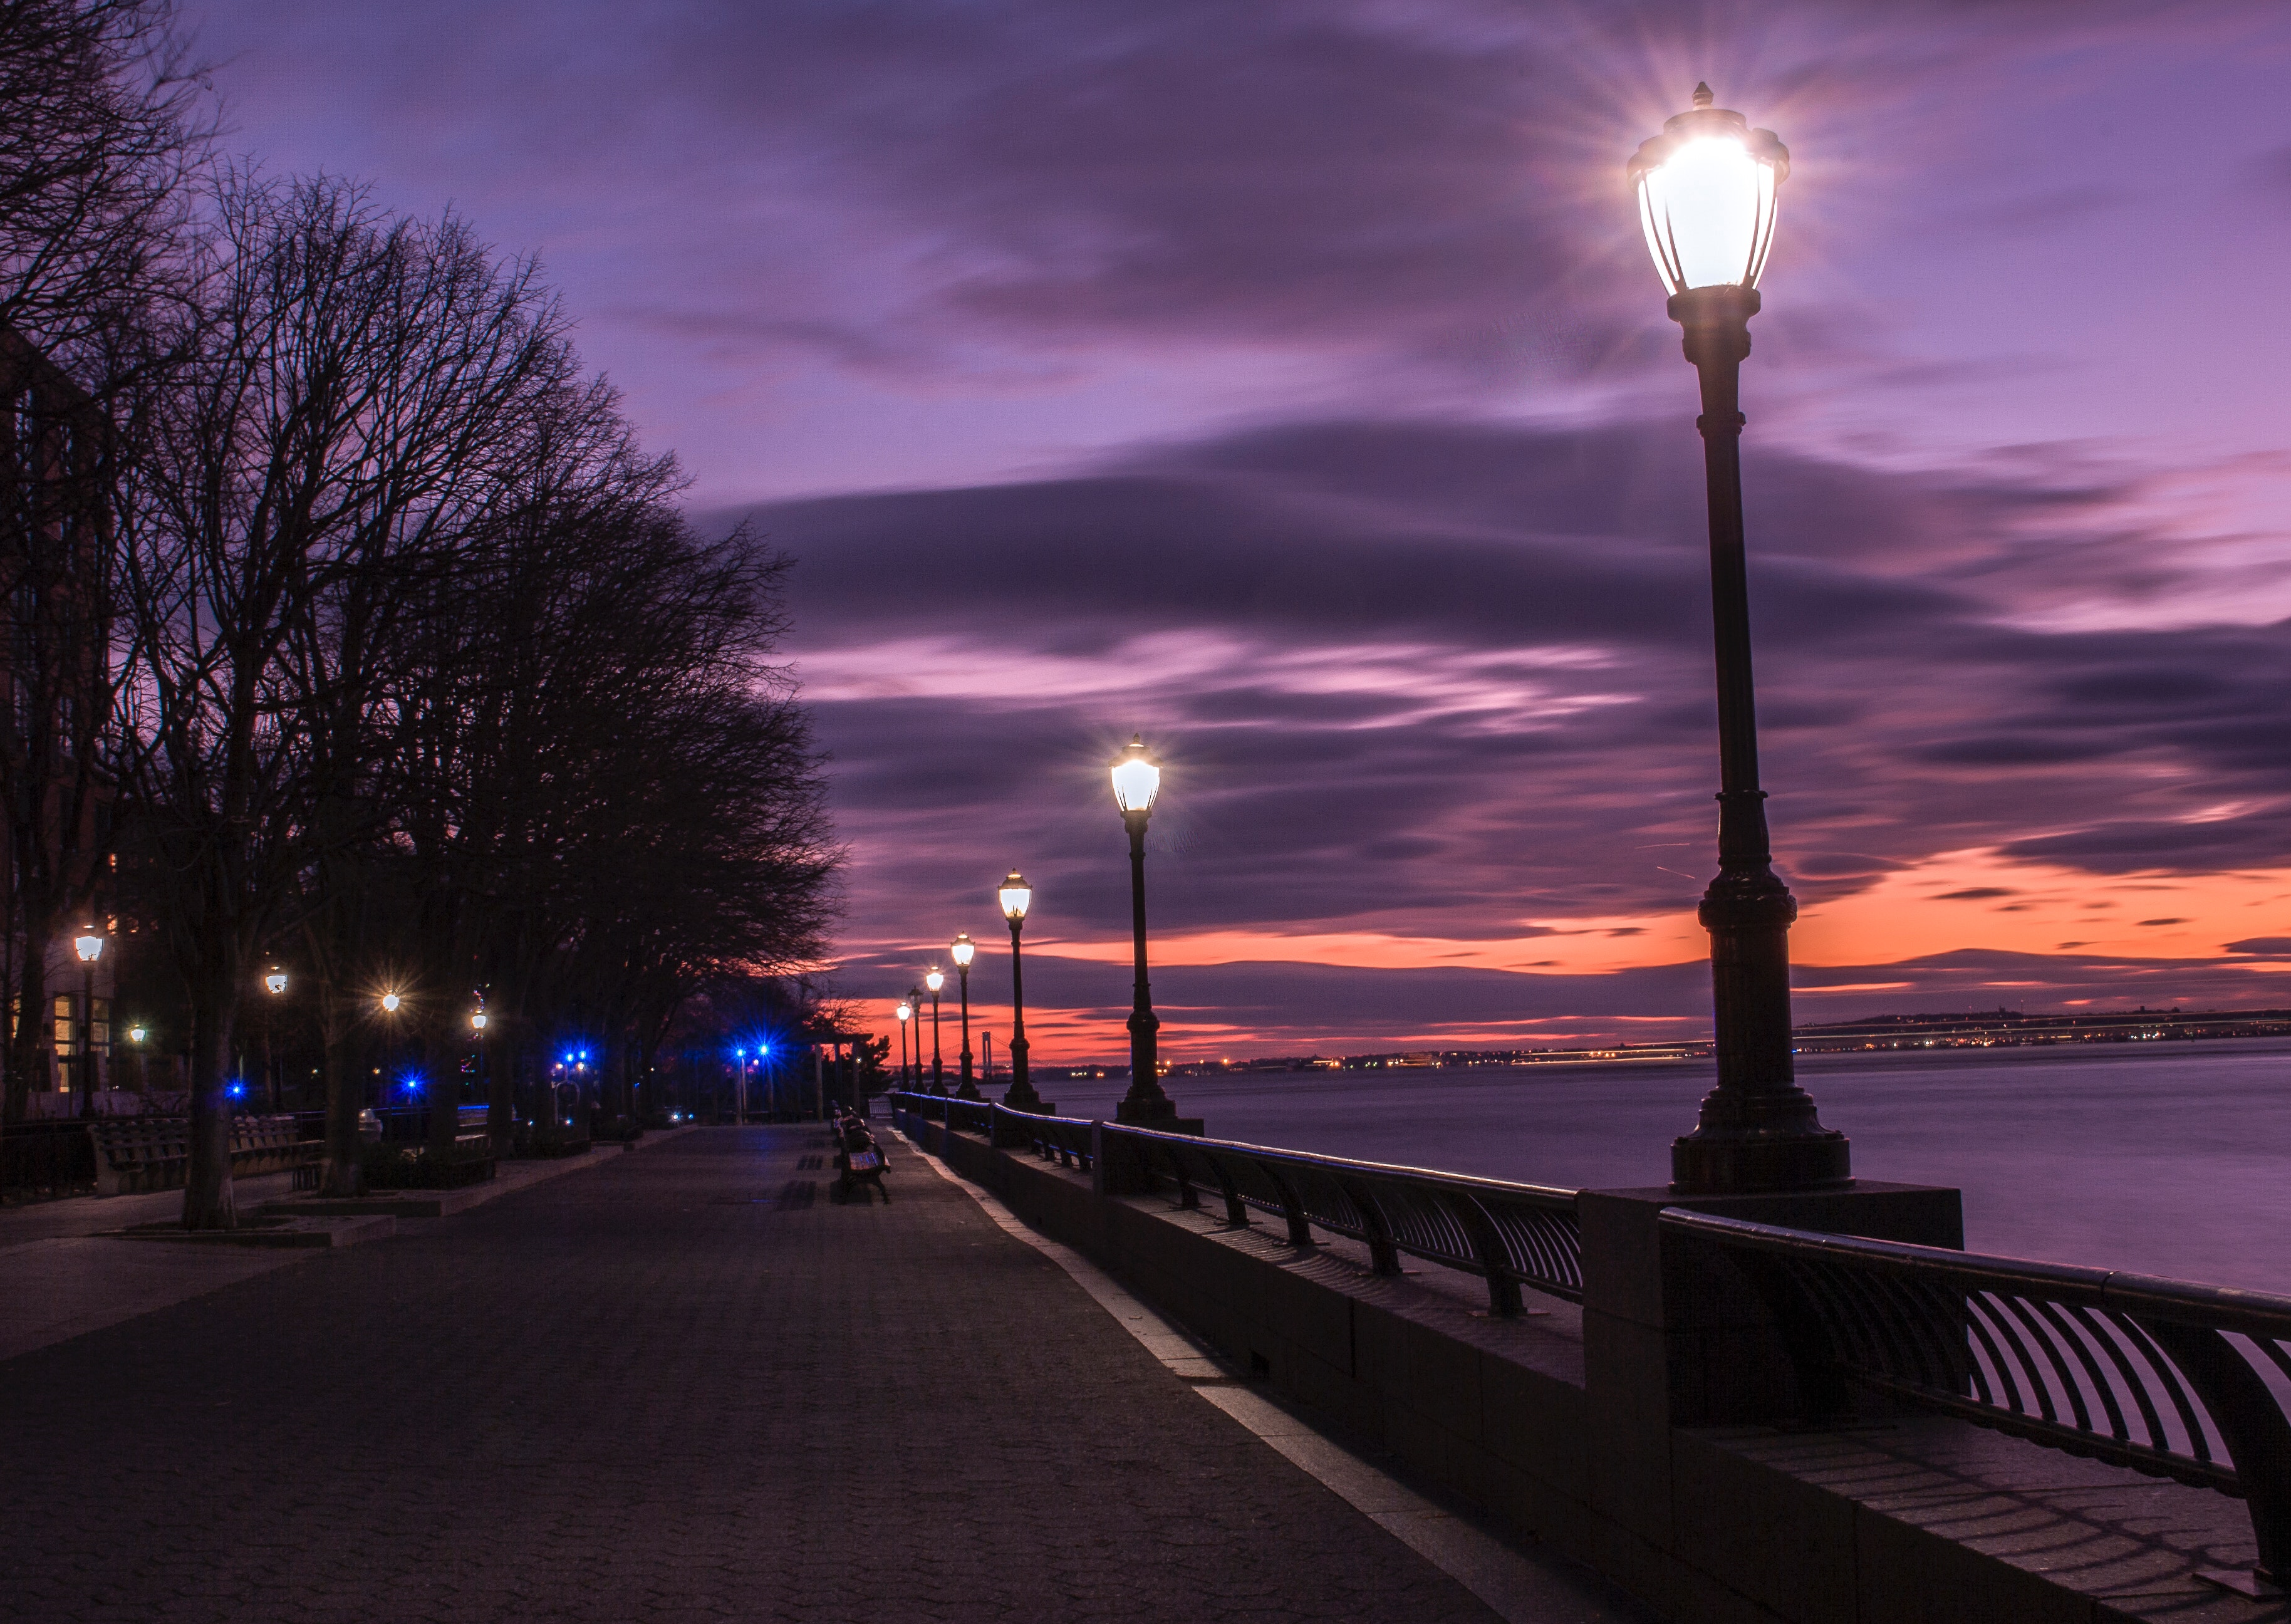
(154, 1153)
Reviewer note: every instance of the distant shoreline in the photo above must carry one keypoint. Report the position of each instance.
(1987, 1029)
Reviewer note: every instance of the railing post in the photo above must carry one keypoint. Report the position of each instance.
(1097, 1159)
(2258, 1437)
(1383, 1256)
(1300, 1228)
(1503, 1291)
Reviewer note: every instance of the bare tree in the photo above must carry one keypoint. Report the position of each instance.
(332, 436)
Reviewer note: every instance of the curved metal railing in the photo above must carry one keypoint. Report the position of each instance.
(2174, 1379)
(1512, 1235)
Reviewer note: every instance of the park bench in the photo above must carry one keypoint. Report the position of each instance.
(154, 1153)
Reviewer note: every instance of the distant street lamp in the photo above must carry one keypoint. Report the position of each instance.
(1706, 190)
(1136, 781)
(391, 1001)
(1016, 896)
(89, 945)
(935, 978)
(905, 1012)
(275, 979)
(963, 950)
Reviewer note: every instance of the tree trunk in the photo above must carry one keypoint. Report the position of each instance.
(208, 1203)
(500, 1061)
(345, 1169)
(441, 1078)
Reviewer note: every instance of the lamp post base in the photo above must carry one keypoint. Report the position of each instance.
(1746, 1162)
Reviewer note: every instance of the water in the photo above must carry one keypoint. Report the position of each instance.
(2167, 1159)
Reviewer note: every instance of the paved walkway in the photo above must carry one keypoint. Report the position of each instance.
(680, 1386)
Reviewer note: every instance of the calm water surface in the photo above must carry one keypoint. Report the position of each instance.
(2169, 1158)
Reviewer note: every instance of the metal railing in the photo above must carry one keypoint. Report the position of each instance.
(2173, 1379)
(1511, 1235)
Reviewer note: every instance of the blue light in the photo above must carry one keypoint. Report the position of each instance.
(762, 1049)
(237, 1091)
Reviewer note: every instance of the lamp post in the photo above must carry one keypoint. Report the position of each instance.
(905, 1012)
(935, 978)
(1016, 896)
(962, 949)
(1706, 191)
(915, 1002)
(275, 980)
(1136, 781)
(89, 945)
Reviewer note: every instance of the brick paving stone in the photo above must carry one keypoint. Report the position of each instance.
(664, 1390)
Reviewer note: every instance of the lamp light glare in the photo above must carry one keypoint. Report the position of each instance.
(390, 1001)
(89, 947)
(1016, 895)
(935, 978)
(275, 980)
(963, 949)
(1706, 193)
(1136, 776)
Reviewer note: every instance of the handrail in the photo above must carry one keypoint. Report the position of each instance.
(2131, 1369)
(1512, 1235)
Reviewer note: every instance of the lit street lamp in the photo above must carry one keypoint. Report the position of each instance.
(1706, 191)
(935, 978)
(905, 1012)
(1136, 781)
(963, 950)
(1016, 896)
(89, 945)
(275, 979)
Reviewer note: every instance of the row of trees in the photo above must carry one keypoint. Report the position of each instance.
(412, 669)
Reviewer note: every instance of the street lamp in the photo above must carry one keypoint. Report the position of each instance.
(1136, 781)
(390, 1002)
(1016, 896)
(275, 979)
(963, 950)
(1706, 191)
(935, 978)
(905, 1012)
(89, 945)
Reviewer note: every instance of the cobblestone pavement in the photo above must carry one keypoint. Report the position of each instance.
(684, 1385)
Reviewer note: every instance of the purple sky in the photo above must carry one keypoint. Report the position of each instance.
(1289, 382)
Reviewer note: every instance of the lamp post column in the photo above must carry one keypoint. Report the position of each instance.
(935, 980)
(1020, 1095)
(1758, 1130)
(967, 1085)
(962, 950)
(1145, 1102)
(87, 1037)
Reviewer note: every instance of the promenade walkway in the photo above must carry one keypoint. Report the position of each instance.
(681, 1385)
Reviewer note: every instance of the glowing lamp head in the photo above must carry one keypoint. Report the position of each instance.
(477, 1020)
(935, 978)
(390, 1002)
(906, 1012)
(135, 1034)
(1016, 895)
(88, 945)
(1136, 776)
(1705, 188)
(963, 949)
(275, 980)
